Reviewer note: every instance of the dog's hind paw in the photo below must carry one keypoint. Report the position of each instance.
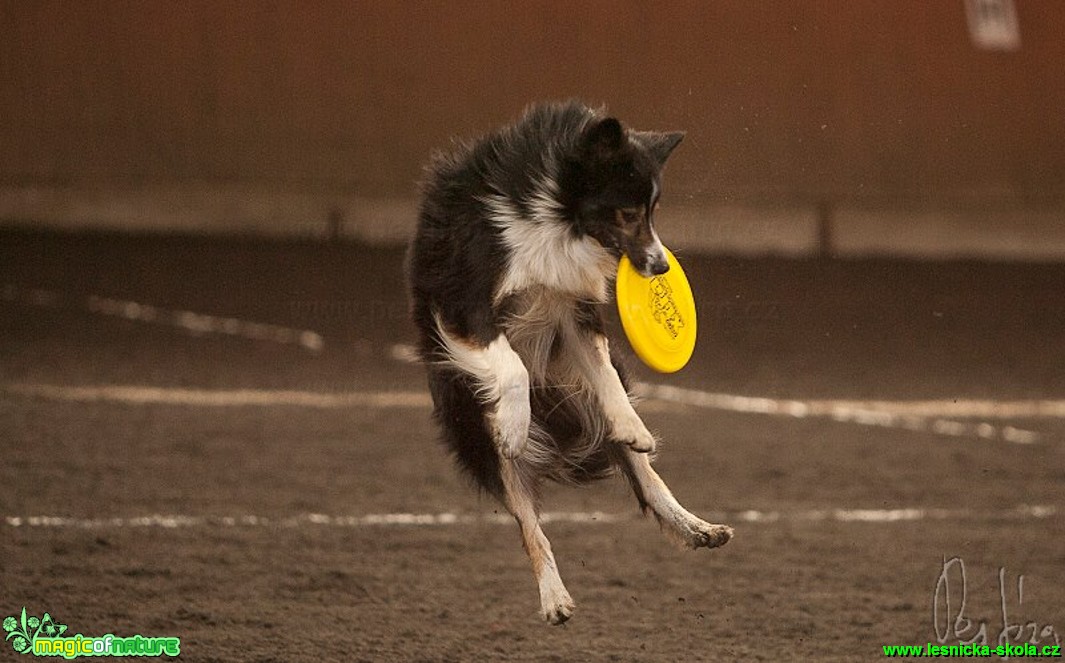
(558, 613)
(556, 605)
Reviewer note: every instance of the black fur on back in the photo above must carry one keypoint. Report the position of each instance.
(457, 256)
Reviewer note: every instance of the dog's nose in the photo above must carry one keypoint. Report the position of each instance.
(659, 266)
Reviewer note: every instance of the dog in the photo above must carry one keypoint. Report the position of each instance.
(518, 242)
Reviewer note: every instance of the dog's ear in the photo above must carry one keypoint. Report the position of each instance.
(604, 138)
(659, 143)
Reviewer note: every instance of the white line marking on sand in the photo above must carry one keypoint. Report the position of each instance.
(143, 395)
(189, 321)
(936, 416)
(223, 398)
(916, 416)
(170, 521)
(956, 408)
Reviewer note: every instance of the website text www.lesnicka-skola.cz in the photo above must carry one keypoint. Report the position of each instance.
(929, 650)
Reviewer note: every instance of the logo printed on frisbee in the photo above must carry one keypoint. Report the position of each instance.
(658, 315)
(664, 307)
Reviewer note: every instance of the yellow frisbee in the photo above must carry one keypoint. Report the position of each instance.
(657, 314)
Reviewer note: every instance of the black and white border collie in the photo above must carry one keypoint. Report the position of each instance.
(518, 243)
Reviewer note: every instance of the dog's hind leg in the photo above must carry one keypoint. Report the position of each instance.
(678, 522)
(501, 384)
(521, 500)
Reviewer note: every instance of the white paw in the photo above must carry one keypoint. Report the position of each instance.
(629, 429)
(510, 422)
(695, 533)
(556, 607)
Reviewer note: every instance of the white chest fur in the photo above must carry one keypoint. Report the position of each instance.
(542, 252)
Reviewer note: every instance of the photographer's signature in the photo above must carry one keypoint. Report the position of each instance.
(952, 623)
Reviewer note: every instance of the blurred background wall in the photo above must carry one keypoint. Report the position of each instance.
(852, 112)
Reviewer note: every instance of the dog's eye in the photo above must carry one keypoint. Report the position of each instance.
(629, 215)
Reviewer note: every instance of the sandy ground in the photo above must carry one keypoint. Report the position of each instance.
(271, 556)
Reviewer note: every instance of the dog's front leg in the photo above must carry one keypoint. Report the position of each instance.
(625, 425)
(502, 383)
(678, 522)
(510, 392)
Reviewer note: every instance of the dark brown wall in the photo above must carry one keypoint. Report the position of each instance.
(845, 98)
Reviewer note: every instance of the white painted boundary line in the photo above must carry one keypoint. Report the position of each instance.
(223, 398)
(885, 516)
(194, 323)
(917, 416)
(959, 408)
(177, 396)
(922, 416)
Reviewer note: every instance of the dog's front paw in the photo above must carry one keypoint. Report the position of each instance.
(695, 533)
(510, 424)
(631, 431)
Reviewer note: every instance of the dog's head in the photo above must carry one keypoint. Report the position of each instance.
(616, 178)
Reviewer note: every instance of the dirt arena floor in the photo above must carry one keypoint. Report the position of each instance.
(173, 467)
